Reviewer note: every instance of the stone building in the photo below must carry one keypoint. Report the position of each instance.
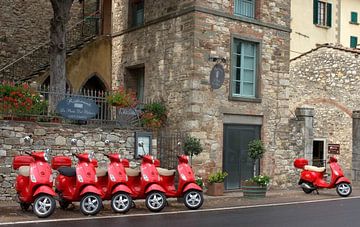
(325, 81)
(168, 48)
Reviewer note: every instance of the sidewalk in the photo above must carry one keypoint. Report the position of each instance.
(10, 211)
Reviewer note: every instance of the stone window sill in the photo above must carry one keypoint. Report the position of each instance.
(322, 26)
(244, 99)
(354, 23)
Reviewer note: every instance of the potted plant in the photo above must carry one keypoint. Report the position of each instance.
(122, 98)
(192, 146)
(216, 183)
(154, 115)
(257, 185)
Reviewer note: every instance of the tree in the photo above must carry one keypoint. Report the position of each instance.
(57, 51)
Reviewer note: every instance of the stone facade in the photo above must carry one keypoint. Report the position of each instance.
(327, 80)
(58, 138)
(174, 46)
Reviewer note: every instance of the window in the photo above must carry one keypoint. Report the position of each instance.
(134, 81)
(245, 8)
(244, 69)
(353, 41)
(136, 13)
(322, 13)
(354, 18)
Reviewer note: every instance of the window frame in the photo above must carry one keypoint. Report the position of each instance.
(237, 5)
(257, 70)
(353, 15)
(322, 14)
(351, 41)
(131, 13)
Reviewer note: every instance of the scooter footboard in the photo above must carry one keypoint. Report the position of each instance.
(44, 189)
(192, 186)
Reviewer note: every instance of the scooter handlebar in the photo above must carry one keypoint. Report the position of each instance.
(27, 152)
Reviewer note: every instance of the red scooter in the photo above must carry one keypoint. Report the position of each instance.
(78, 184)
(113, 183)
(312, 177)
(187, 187)
(147, 184)
(34, 182)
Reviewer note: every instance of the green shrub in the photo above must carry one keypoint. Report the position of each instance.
(217, 177)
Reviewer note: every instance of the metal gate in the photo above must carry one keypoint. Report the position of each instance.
(169, 145)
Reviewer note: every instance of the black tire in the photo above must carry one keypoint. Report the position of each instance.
(121, 202)
(44, 205)
(64, 204)
(343, 189)
(307, 191)
(193, 199)
(90, 204)
(155, 201)
(25, 206)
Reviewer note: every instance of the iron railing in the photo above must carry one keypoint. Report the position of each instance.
(169, 145)
(37, 60)
(107, 115)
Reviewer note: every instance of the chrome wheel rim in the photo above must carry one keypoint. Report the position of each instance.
(193, 199)
(90, 204)
(43, 205)
(344, 189)
(155, 201)
(121, 202)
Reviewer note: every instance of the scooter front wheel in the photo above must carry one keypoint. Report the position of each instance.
(155, 201)
(193, 199)
(90, 204)
(44, 205)
(343, 189)
(121, 202)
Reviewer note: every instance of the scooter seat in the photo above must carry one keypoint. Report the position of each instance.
(67, 171)
(314, 168)
(165, 172)
(101, 172)
(24, 171)
(132, 172)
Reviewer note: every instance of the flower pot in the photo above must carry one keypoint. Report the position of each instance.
(251, 190)
(215, 189)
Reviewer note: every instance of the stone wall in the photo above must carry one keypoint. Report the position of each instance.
(25, 26)
(175, 51)
(328, 79)
(57, 137)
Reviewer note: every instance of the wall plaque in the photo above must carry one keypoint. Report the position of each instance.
(77, 108)
(217, 75)
(334, 148)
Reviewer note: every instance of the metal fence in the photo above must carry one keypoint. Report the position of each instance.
(14, 106)
(169, 145)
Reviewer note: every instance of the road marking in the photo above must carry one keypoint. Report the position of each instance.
(175, 212)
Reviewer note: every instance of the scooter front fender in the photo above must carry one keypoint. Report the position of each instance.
(90, 189)
(342, 179)
(154, 187)
(44, 189)
(192, 186)
(122, 188)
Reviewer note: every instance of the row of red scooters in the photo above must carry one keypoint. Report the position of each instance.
(90, 185)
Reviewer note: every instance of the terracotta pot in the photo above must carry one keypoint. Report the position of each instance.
(215, 189)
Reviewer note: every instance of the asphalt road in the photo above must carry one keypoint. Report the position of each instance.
(344, 212)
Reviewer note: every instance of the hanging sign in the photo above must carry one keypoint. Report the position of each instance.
(334, 148)
(77, 108)
(217, 75)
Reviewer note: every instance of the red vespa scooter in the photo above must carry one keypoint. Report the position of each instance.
(78, 184)
(147, 184)
(113, 183)
(312, 177)
(34, 182)
(187, 187)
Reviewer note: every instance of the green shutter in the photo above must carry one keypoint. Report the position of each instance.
(329, 13)
(316, 8)
(353, 41)
(354, 17)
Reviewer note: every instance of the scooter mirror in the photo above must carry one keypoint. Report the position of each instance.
(141, 144)
(27, 139)
(107, 142)
(73, 141)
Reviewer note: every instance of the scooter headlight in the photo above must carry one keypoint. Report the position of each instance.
(183, 177)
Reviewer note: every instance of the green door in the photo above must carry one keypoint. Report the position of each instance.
(236, 161)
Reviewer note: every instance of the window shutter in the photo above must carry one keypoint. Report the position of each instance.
(353, 41)
(329, 13)
(354, 17)
(316, 8)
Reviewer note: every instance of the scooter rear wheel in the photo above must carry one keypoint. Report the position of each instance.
(155, 201)
(90, 204)
(193, 199)
(44, 205)
(121, 202)
(343, 189)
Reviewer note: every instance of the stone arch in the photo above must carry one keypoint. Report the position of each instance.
(94, 82)
(325, 101)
